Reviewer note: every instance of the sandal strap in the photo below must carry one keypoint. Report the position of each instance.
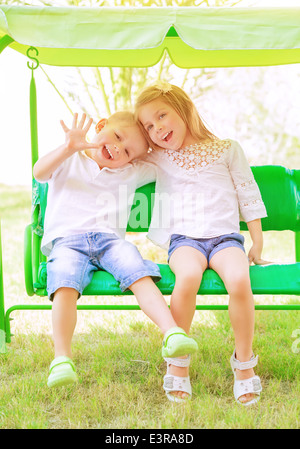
(236, 364)
(177, 361)
(242, 387)
(175, 383)
(173, 331)
(60, 361)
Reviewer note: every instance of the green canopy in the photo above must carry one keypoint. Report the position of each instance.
(128, 36)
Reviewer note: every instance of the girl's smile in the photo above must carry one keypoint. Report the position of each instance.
(164, 126)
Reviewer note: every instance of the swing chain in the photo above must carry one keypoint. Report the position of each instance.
(32, 66)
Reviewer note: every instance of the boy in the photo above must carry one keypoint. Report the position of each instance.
(85, 225)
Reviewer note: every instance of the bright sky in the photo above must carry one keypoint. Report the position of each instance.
(15, 152)
(15, 165)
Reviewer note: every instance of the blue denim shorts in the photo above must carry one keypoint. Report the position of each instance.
(74, 259)
(208, 247)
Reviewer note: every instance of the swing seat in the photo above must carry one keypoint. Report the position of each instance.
(280, 190)
(272, 279)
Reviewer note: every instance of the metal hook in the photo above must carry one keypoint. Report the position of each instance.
(32, 66)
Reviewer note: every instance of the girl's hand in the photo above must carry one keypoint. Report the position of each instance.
(254, 256)
(75, 137)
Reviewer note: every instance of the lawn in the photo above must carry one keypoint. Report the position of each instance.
(117, 355)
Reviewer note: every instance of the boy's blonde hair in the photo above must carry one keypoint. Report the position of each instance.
(177, 99)
(122, 118)
(125, 118)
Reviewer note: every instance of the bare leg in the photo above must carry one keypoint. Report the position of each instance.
(152, 303)
(233, 267)
(64, 318)
(188, 265)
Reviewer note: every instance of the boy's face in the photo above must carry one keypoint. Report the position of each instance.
(119, 145)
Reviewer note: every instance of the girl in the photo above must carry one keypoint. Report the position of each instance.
(205, 183)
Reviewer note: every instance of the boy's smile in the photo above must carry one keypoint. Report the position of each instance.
(107, 153)
(118, 145)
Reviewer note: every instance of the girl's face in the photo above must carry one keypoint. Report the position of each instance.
(164, 126)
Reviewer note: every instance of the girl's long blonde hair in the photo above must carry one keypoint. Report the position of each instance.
(177, 99)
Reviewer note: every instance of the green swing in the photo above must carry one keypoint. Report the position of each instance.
(138, 37)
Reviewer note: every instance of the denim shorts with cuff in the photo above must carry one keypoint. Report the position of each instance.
(74, 259)
(208, 247)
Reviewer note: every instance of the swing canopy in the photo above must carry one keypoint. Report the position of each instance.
(138, 37)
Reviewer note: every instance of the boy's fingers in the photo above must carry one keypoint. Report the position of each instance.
(75, 117)
(93, 145)
(64, 127)
(82, 120)
(80, 124)
(88, 125)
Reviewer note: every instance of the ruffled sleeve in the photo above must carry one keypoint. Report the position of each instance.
(249, 197)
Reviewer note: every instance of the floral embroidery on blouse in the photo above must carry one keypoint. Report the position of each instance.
(252, 203)
(198, 156)
(245, 185)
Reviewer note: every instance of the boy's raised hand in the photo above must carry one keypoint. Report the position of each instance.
(75, 137)
(75, 140)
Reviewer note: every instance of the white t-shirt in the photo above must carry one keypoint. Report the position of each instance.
(82, 198)
(202, 191)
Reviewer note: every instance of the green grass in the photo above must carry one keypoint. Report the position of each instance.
(117, 355)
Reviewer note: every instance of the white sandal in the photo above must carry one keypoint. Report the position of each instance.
(176, 383)
(251, 385)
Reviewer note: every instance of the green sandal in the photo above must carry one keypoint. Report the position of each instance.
(62, 372)
(177, 343)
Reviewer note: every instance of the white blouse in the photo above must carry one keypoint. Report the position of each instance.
(202, 191)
